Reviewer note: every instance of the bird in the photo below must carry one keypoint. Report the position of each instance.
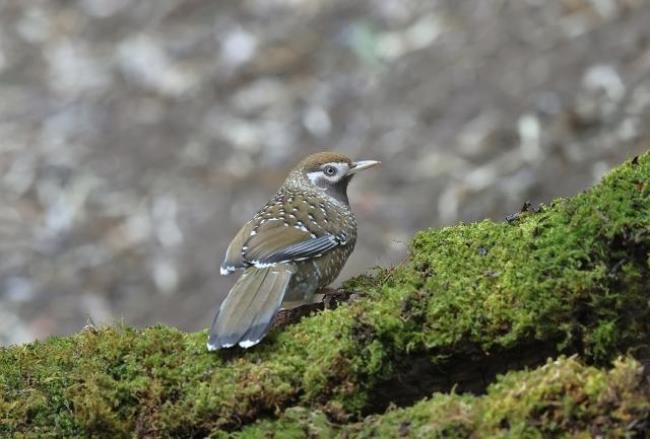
(292, 247)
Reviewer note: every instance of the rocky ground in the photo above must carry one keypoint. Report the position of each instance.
(138, 136)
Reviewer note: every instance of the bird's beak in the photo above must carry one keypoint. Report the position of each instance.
(361, 165)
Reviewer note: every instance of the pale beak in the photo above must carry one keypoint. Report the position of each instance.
(361, 165)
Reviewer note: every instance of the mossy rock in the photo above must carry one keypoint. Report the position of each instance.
(472, 301)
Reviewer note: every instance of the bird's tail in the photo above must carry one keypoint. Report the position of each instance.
(246, 313)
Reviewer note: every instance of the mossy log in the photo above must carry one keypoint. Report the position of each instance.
(471, 302)
(562, 398)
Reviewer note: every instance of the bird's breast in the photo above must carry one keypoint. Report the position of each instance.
(308, 212)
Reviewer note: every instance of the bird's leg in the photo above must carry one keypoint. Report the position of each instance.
(288, 315)
(326, 298)
(332, 297)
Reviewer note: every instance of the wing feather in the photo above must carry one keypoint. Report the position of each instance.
(301, 250)
(234, 256)
(273, 242)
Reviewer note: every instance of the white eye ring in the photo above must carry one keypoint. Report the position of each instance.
(329, 170)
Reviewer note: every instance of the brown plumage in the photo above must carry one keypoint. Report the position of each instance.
(297, 243)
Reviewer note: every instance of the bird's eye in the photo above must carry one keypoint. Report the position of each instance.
(329, 170)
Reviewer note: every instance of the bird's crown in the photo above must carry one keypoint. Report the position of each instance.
(314, 162)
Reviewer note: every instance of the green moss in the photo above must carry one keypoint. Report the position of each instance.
(573, 277)
(563, 398)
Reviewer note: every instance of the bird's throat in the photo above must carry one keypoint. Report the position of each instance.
(339, 192)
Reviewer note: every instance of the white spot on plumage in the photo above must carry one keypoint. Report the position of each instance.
(214, 347)
(248, 343)
(225, 271)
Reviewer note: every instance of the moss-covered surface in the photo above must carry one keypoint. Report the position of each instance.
(473, 300)
(562, 398)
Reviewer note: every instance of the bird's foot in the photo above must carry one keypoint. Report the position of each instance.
(327, 298)
(331, 298)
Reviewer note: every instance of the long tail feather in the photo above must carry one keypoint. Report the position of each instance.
(247, 312)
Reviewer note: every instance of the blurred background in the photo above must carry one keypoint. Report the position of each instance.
(136, 137)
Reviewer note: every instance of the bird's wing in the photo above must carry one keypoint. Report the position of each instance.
(274, 242)
(284, 244)
(234, 256)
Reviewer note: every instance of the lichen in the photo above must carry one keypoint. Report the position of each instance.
(570, 278)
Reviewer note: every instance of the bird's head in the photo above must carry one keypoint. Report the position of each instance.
(328, 171)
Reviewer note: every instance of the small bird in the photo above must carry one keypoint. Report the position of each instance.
(296, 244)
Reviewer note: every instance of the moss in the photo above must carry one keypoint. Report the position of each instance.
(571, 278)
(563, 398)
